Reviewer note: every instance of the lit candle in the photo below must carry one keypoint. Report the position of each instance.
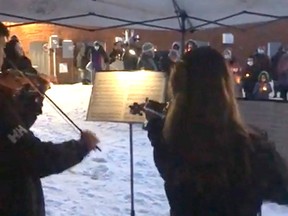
(238, 80)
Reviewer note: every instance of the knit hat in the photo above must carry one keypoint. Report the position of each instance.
(147, 47)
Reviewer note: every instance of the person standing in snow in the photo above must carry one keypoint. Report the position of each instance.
(25, 159)
(262, 88)
(99, 59)
(212, 163)
(167, 62)
(146, 60)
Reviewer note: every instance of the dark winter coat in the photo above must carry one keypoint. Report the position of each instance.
(114, 54)
(240, 199)
(262, 90)
(82, 58)
(166, 64)
(98, 58)
(24, 159)
(22, 63)
(147, 63)
(282, 72)
(249, 78)
(130, 60)
(274, 63)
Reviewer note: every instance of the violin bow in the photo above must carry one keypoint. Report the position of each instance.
(46, 96)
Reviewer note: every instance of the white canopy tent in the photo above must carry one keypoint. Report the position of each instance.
(178, 15)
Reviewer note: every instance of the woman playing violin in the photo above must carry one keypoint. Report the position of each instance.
(25, 159)
(211, 162)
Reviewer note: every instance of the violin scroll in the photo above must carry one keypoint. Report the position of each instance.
(137, 108)
(150, 107)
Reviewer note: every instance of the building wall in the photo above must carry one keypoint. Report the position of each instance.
(41, 32)
(247, 37)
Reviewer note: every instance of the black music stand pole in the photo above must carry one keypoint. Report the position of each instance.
(131, 169)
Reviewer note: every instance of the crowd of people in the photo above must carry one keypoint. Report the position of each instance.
(261, 75)
(211, 162)
(255, 80)
(132, 55)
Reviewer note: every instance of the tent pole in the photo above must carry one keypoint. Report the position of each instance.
(183, 18)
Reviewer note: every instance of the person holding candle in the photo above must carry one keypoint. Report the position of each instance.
(262, 88)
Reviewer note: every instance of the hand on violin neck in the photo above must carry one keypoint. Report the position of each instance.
(137, 109)
(152, 109)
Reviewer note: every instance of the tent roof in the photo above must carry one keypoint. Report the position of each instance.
(120, 13)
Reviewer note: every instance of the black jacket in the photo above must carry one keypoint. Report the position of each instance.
(24, 159)
(22, 63)
(147, 63)
(240, 199)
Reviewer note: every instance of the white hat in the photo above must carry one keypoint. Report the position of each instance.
(175, 43)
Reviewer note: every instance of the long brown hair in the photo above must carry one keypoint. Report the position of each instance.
(203, 113)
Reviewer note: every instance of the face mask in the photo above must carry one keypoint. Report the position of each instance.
(132, 52)
(97, 47)
(250, 62)
(227, 56)
(260, 51)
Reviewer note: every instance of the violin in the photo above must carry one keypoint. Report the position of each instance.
(149, 106)
(13, 81)
(17, 84)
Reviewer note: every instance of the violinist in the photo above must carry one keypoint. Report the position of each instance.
(25, 159)
(210, 161)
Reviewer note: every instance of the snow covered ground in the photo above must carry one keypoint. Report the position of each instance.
(100, 185)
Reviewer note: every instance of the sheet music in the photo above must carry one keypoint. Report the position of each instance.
(114, 91)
